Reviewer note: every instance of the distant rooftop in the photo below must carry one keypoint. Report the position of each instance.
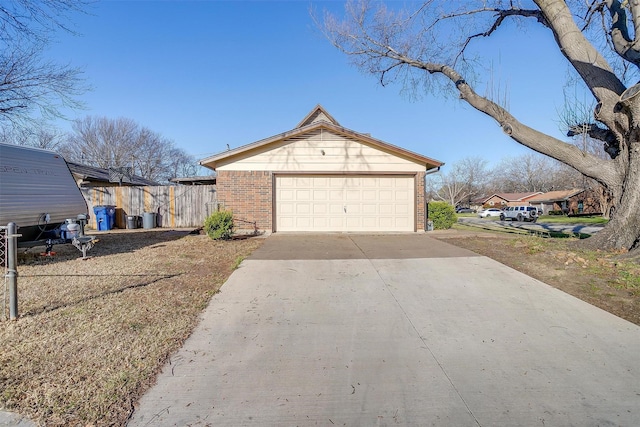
(195, 180)
(94, 173)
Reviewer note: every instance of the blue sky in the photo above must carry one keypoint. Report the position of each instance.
(210, 73)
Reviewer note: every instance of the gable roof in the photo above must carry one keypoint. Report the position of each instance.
(510, 197)
(316, 115)
(518, 197)
(318, 118)
(556, 196)
(94, 173)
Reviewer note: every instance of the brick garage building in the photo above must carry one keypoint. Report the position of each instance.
(322, 177)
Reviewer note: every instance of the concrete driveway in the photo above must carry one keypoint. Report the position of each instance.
(395, 330)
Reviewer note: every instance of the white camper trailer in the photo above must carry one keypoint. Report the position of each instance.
(38, 193)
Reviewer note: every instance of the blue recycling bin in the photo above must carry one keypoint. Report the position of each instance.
(105, 216)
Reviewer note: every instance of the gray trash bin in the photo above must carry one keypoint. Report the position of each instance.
(149, 220)
(132, 221)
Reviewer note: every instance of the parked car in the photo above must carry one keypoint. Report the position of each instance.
(520, 213)
(465, 210)
(489, 212)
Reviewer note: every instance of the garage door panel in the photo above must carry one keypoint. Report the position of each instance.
(303, 195)
(286, 208)
(319, 195)
(385, 195)
(303, 222)
(369, 209)
(353, 195)
(401, 209)
(286, 222)
(386, 209)
(336, 195)
(320, 209)
(353, 222)
(345, 203)
(303, 208)
(286, 195)
(401, 195)
(336, 182)
(369, 195)
(401, 183)
(286, 182)
(336, 208)
(370, 222)
(335, 223)
(320, 222)
(353, 209)
(401, 221)
(387, 221)
(320, 182)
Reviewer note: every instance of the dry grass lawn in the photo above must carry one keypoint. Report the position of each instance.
(93, 333)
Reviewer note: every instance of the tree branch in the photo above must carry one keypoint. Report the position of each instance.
(611, 145)
(585, 163)
(593, 68)
(622, 42)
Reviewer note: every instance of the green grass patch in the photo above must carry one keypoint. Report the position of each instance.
(561, 219)
(237, 262)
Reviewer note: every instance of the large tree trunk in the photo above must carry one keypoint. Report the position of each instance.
(623, 229)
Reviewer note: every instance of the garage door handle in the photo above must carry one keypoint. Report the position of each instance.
(345, 209)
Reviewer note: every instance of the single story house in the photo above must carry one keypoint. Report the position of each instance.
(574, 201)
(93, 176)
(502, 200)
(322, 177)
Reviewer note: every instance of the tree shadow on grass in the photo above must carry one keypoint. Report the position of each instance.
(107, 243)
(117, 290)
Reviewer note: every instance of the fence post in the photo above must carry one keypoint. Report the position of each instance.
(12, 269)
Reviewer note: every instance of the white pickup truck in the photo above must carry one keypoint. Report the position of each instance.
(520, 213)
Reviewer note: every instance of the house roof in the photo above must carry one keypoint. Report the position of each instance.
(316, 115)
(94, 173)
(510, 197)
(318, 118)
(195, 180)
(556, 196)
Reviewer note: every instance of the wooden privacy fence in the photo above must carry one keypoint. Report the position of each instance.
(175, 206)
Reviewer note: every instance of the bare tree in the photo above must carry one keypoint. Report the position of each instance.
(117, 143)
(27, 80)
(416, 46)
(38, 134)
(526, 173)
(463, 182)
(181, 164)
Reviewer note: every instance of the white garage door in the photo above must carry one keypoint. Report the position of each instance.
(344, 203)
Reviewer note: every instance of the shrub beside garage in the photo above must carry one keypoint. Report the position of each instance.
(442, 214)
(219, 225)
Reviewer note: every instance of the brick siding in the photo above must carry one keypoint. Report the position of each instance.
(420, 202)
(249, 194)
